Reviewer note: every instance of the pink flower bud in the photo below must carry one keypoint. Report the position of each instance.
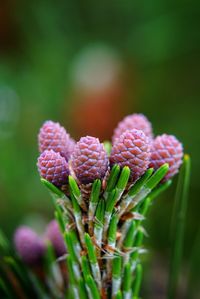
(53, 167)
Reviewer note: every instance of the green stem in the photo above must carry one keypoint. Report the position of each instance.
(178, 224)
(127, 282)
(116, 275)
(94, 198)
(93, 260)
(137, 281)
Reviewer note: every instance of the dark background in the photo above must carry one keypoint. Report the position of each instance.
(87, 64)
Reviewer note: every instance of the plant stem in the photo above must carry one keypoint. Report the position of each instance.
(178, 224)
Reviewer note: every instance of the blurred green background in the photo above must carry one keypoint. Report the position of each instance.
(87, 64)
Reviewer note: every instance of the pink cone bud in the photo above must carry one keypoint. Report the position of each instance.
(167, 149)
(132, 149)
(54, 235)
(53, 167)
(133, 121)
(29, 245)
(89, 160)
(53, 136)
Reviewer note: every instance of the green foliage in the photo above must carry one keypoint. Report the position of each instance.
(14, 272)
(120, 261)
(103, 238)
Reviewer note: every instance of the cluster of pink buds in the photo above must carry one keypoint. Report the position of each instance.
(100, 198)
(133, 145)
(31, 247)
(60, 156)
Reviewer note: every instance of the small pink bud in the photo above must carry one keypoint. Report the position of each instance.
(53, 136)
(53, 167)
(89, 160)
(166, 149)
(132, 149)
(29, 245)
(54, 235)
(133, 121)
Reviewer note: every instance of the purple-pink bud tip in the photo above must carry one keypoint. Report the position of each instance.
(54, 235)
(132, 149)
(53, 136)
(167, 149)
(30, 247)
(53, 167)
(89, 161)
(133, 121)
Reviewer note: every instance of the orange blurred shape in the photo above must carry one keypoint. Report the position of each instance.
(97, 114)
(99, 98)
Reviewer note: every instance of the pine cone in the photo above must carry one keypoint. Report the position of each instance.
(54, 235)
(132, 149)
(89, 160)
(133, 121)
(53, 136)
(166, 149)
(53, 167)
(29, 245)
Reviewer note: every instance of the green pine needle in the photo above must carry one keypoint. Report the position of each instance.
(111, 201)
(96, 188)
(71, 273)
(100, 213)
(112, 231)
(178, 224)
(112, 180)
(82, 289)
(76, 193)
(159, 189)
(70, 248)
(118, 295)
(123, 179)
(157, 177)
(74, 187)
(127, 278)
(128, 241)
(137, 243)
(75, 204)
(116, 267)
(52, 188)
(137, 281)
(90, 249)
(93, 288)
(144, 207)
(85, 266)
(139, 184)
(56, 194)
(60, 220)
